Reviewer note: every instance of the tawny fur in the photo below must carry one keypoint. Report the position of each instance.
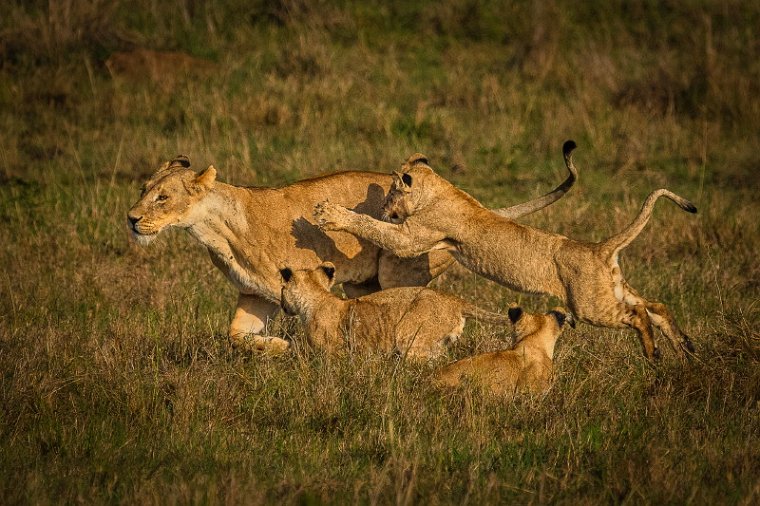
(415, 322)
(251, 233)
(525, 367)
(428, 213)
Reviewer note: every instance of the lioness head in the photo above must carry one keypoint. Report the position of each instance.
(168, 199)
(300, 287)
(526, 324)
(405, 195)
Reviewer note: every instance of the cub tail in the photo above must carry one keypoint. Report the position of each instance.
(526, 208)
(622, 239)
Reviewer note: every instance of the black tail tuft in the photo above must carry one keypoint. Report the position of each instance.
(691, 208)
(568, 147)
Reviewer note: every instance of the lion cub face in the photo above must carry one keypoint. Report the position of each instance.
(403, 200)
(527, 324)
(168, 199)
(301, 287)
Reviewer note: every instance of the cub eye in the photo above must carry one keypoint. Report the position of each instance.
(162, 198)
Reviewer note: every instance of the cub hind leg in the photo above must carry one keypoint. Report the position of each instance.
(429, 338)
(610, 311)
(638, 319)
(663, 319)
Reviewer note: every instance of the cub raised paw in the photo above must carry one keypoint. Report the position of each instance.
(330, 216)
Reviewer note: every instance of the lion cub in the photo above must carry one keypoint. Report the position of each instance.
(428, 213)
(413, 321)
(527, 366)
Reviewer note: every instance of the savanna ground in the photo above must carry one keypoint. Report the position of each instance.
(118, 384)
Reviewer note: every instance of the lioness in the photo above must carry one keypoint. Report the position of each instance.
(416, 322)
(428, 213)
(527, 366)
(251, 233)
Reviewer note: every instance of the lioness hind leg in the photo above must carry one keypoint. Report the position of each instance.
(393, 271)
(356, 290)
(252, 315)
(664, 320)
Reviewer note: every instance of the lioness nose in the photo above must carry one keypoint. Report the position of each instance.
(133, 219)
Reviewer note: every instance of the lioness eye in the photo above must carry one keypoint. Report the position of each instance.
(162, 198)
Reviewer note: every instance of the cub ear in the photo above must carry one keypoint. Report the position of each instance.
(562, 316)
(515, 313)
(417, 158)
(559, 316)
(180, 161)
(206, 178)
(286, 274)
(407, 179)
(329, 269)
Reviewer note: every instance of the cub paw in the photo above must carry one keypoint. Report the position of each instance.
(330, 216)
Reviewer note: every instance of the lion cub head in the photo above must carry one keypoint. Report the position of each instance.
(405, 195)
(168, 199)
(302, 287)
(530, 324)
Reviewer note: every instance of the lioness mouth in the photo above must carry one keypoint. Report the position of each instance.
(142, 239)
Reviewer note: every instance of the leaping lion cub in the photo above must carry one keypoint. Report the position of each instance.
(428, 213)
(413, 321)
(526, 367)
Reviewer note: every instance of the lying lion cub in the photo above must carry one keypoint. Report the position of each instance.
(428, 213)
(413, 321)
(527, 366)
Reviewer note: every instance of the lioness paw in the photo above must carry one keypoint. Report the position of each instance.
(260, 344)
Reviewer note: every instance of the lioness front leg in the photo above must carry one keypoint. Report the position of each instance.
(251, 318)
(400, 239)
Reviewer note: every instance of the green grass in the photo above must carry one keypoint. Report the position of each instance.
(118, 385)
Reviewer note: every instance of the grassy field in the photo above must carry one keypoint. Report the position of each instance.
(118, 384)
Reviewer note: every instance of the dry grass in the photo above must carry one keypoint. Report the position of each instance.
(117, 383)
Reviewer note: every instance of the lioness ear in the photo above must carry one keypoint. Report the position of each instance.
(407, 179)
(206, 178)
(180, 161)
(329, 269)
(515, 313)
(286, 274)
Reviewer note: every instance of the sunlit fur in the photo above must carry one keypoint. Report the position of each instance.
(251, 233)
(527, 366)
(414, 322)
(586, 276)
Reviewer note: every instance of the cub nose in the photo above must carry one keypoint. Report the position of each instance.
(133, 219)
